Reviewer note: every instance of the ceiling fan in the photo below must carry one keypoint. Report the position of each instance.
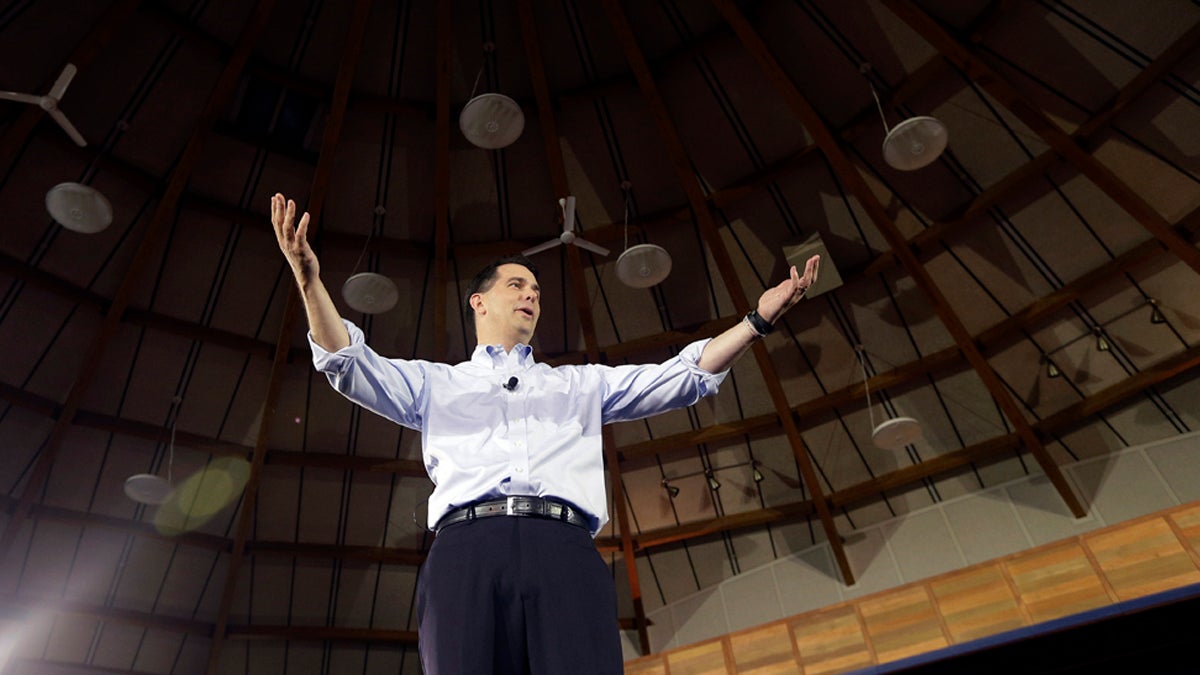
(568, 234)
(49, 102)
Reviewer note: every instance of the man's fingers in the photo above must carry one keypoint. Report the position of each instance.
(302, 229)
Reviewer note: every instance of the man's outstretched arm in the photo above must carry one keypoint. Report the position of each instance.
(725, 349)
(326, 325)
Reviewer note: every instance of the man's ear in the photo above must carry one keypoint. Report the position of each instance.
(477, 303)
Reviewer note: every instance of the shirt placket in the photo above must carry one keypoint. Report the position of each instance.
(520, 482)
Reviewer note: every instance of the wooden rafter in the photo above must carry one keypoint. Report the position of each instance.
(848, 174)
(316, 201)
(147, 250)
(716, 246)
(925, 242)
(989, 450)
(1060, 141)
(990, 340)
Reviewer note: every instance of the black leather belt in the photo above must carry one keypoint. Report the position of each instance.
(530, 507)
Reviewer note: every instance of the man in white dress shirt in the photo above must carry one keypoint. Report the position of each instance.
(513, 582)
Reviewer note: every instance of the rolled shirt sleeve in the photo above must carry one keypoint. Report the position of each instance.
(393, 388)
(637, 391)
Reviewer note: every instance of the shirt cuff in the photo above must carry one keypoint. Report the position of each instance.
(334, 362)
(690, 358)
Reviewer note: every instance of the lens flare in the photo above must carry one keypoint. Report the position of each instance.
(202, 495)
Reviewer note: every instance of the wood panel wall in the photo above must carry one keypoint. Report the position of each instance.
(1140, 557)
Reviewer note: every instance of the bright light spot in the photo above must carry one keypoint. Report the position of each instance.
(203, 495)
(10, 634)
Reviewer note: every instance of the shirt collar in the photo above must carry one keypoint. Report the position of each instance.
(494, 356)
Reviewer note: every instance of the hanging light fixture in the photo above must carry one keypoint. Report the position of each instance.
(643, 265)
(893, 433)
(713, 484)
(491, 121)
(1156, 315)
(79, 208)
(912, 144)
(1051, 368)
(152, 489)
(370, 292)
(757, 475)
(671, 489)
(1102, 344)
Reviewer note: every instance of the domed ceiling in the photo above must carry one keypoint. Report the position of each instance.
(1028, 298)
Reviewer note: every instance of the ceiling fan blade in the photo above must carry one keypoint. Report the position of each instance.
(63, 81)
(541, 247)
(589, 246)
(20, 98)
(568, 205)
(68, 127)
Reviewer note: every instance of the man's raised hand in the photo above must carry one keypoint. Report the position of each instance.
(293, 239)
(778, 300)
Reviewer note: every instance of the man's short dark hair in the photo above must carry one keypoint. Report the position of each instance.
(483, 282)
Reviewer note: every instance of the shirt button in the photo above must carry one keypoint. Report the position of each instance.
(519, 469)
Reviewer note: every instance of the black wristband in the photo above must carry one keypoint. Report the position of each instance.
(758, 324)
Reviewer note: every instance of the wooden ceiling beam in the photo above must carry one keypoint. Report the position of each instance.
(989, 450)
(716, 246)
(989, 340)
(979, 71)
(134, 528)
(125, 616)
(50, 283)
(924, 243)
(212, 542)
(323, 634)
(849, 176)
(54, 666)
(351, 49)
(409, 468)
(1087, 135)
(369, 554)
(147, 250)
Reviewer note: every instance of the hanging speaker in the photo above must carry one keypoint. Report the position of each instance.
(146, 488)
(370, 293)
(896, 433)
(79, 208)
(914, 143)
(491, 121)
(643, 266)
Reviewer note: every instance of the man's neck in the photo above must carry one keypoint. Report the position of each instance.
(507, 343)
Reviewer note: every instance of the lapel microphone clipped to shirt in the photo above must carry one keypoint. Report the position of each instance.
(512, 383)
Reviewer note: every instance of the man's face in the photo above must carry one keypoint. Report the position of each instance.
(508, 311)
